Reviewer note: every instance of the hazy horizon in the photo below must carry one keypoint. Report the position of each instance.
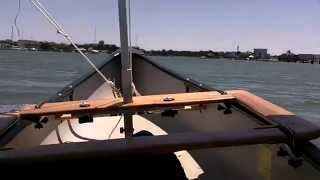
(189, 25)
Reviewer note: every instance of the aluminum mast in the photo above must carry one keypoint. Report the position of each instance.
(126, 70)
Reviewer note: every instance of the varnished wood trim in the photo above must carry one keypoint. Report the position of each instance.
(257, 104)
(140, 103)
(292, 125)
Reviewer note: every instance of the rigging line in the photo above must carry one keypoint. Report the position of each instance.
(78, 135)
(61, 31)
(16, 19)
(49, 16)
(114, 128)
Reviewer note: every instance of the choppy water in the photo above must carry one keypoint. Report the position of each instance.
(29, 77)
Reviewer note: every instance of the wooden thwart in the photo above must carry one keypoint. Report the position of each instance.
(140, 103)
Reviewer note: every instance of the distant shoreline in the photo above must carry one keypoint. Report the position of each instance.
(200, 59)
(101, 47)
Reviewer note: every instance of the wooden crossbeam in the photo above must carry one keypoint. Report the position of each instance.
(140, 103)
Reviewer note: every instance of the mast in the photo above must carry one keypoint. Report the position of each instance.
(22, 34)
(12, 34)
(126, 70)
(95, 35)
(137, 40)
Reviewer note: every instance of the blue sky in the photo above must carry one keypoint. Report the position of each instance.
(217, 25)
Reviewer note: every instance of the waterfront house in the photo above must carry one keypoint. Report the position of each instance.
(309, 58)
(288, 57)
(261, 54)
(29, 44)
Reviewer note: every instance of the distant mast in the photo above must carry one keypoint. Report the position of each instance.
(21, 34)
(137, 40)
(12, 34)
(95, 35)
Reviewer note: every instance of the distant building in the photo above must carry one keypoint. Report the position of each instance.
(261, 53)
(3, 46)
(6, 44)
(28, 43)
(317, 58)
(231, 54)
(312, 58)
(288, 57)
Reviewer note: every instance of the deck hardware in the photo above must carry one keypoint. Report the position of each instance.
(201, 107)
(295, 163)
(38, 125)
(84, 104)
(292, 148)
(123, 130)
(267, 126)
(187, 88)
(85, 119)
(282, 152)
(65, 116)
(227, 111)
(168, 98)
(220, 107)
(39, 105)
(226, 108)
(6, 149)
(141, 113)
(169, 113)
(44, 119)
(292, 144)
(128, 125)
(115, 114)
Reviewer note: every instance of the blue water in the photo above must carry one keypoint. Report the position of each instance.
(29, 77)
(293, 86)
